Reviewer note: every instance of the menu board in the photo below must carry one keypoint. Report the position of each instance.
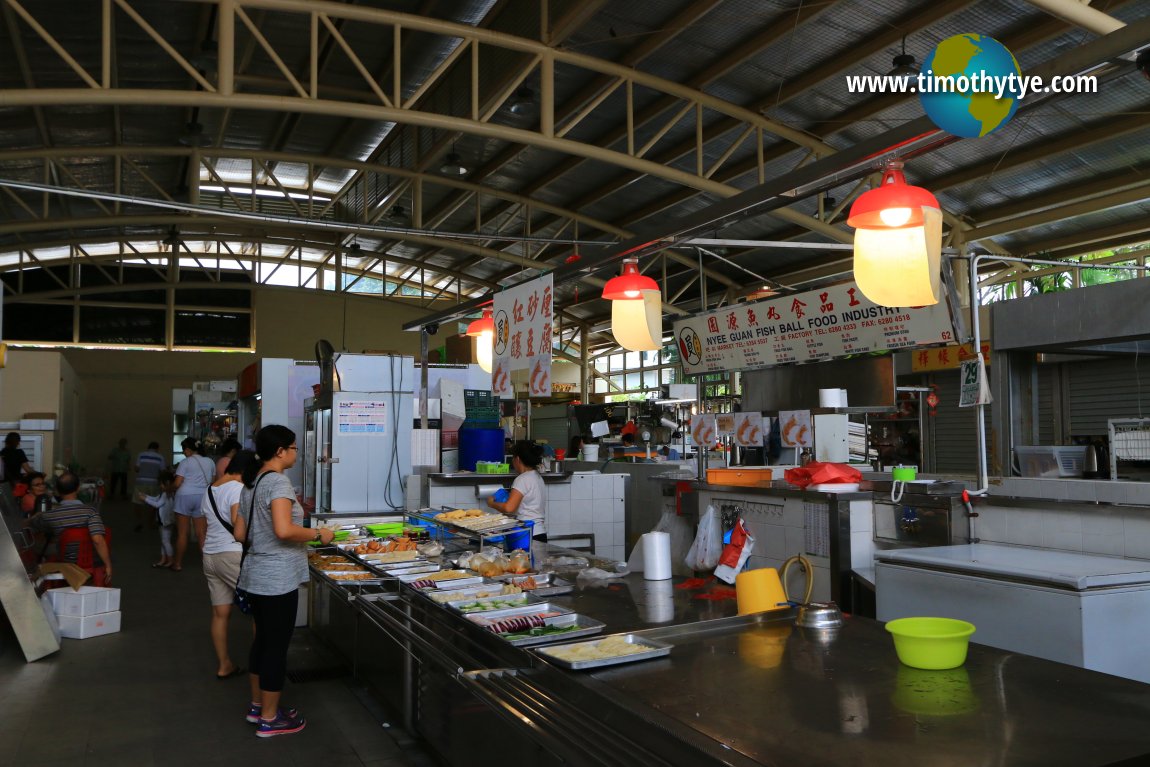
(824, 324)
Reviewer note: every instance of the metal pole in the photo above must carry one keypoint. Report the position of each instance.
(423, 339)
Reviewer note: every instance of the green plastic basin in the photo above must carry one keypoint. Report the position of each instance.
(931, 643)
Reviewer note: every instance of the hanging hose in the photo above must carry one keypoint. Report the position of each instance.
(804, 565)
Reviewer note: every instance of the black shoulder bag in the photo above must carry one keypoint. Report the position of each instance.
(242, 599)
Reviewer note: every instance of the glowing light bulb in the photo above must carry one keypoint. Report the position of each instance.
(895, 217)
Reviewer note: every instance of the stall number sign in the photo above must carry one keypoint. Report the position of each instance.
(819, 325)
(974, 388)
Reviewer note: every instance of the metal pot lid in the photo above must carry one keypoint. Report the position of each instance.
(819, 615)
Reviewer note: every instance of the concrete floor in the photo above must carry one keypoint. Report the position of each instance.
(148, 695)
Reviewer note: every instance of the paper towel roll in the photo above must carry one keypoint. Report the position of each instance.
(843, 398)
(483, 492)
(832, 397)
(656, 556)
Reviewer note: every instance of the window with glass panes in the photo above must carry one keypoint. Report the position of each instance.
(627, 375)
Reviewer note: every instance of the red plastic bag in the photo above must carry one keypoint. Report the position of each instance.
(816, 473)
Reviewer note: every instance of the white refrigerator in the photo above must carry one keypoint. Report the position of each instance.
(366, 444)
(1087, 610)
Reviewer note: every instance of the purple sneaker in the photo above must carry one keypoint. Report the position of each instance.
(286, 722)
(254, 710)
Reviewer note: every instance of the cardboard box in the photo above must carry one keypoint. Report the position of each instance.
(85, 601)
(73, 627)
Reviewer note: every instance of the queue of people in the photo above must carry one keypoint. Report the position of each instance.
(251, 533)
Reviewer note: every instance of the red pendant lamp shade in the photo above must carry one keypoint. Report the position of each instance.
(484, 324)
(629, 285)
(894, 204)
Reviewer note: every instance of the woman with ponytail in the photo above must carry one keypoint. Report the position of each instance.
(193, 475)
(269, 523)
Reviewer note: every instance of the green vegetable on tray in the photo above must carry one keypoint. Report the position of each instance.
(540, 631)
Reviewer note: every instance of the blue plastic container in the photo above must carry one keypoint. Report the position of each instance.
(518, 540)
(479, 445)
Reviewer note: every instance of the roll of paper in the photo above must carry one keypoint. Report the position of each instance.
(483, 492)
(832, 397)
(656, 556)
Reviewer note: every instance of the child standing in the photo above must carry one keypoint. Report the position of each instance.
(165, 507)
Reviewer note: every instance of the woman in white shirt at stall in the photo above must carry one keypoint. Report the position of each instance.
(527, 499)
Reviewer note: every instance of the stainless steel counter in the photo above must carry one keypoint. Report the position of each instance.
(739, 691)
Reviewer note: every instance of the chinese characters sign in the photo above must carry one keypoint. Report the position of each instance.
(824, 324)
(946, 357)
(523, 317)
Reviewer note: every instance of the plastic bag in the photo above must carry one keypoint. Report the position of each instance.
(708, 546)
(735, 554)
(816, 473)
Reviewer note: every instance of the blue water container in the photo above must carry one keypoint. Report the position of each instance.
(519, 540)
(479, 445)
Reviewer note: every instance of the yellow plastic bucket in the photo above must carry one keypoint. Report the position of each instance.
(931, 643)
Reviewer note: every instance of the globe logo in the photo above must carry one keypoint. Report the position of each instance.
(980, 63)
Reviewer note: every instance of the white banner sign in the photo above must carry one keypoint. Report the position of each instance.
(522, 318)
(837, 321)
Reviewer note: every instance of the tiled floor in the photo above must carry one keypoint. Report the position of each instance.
(148, 696)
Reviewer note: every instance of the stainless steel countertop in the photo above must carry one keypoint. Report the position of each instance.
(765, 692)
(468, 477)
(778, 488)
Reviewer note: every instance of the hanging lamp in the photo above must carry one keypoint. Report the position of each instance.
(483, 329)
(636, 309)
(898, 242)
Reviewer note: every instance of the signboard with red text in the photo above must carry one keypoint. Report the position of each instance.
(523, 316)
(819, 325)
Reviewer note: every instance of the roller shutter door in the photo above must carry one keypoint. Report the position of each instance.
(1103, 389)
(955, 442)
(1046, 431)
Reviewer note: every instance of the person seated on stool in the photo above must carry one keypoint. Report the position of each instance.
(629, 446)
(71, 512)
(37, 489)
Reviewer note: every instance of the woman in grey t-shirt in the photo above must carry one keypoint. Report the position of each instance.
(270, 524)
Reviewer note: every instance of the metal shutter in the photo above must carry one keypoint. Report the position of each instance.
(1047, 374)
(955, 442)
(549, 423)
(1104, 389)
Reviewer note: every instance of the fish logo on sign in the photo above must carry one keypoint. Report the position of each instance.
(690, 346)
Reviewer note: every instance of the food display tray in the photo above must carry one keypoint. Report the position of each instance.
(548, 584)
(583, 626)
(424, 568)
(655, 650)
(457, 604)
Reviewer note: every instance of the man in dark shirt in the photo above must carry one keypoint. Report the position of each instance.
(70, 512)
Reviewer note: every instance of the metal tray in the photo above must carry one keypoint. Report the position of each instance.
(409, 577)
(549, 584)
(584, 626)
(470, 580)
(466, 591)
(457, 605)
(419, 568)
(513, 612)
(657, 650)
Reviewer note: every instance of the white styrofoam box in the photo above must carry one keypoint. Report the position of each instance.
(9, 425)
(88, 626)
(48, 424)
(29, 424)
(229, 386)
(88, 600)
